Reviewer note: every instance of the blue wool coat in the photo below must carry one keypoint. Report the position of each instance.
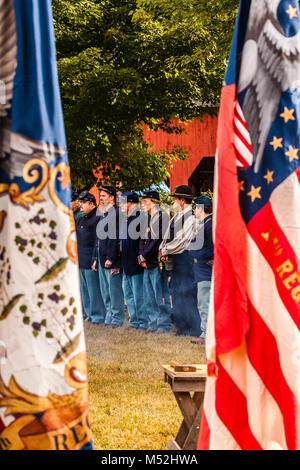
(149, 244)
(86, 236)
(130, 245)
(108, 249)
(202, 270)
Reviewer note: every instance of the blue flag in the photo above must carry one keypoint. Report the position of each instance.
(43, 377)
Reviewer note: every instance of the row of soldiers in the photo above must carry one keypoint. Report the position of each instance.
(160, 266)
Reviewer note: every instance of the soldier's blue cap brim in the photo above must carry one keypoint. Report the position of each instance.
(203, 200)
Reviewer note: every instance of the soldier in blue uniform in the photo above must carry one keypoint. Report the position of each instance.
(107, 258)
(133, 223)
(174, 251)
(92, 303)
(155, 282)
(203, 260)
(75, 206)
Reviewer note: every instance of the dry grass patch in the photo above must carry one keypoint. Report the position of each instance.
(131, 406)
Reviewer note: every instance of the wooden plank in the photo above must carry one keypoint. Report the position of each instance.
(188, 376)
(198, 398)
(187, 407)
(172, 445)
(187, 386)
(192, 437)
(182, 434)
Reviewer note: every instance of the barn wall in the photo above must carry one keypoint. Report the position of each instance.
(199, 140)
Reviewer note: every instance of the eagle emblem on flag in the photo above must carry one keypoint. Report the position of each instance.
(270, 66)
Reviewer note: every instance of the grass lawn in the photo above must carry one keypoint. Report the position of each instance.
(131, 408)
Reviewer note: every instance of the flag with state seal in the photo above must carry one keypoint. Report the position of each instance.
(252, 398)
(43, 377)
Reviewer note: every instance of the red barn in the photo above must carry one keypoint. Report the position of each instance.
(199, 139)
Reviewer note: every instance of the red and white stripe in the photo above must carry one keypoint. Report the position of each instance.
(252, 399)
(241, 139)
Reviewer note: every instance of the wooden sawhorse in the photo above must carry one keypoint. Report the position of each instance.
(183, 385)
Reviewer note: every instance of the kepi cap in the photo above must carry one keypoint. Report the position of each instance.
(129, 197)
(86, 196)
(204, 200)
(151, 195)
(109, 189)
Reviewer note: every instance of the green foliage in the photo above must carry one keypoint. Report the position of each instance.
(125, 62)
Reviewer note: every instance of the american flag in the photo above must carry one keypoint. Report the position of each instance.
(242, 141)
(252, 398)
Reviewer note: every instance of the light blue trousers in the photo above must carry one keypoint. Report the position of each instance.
(112, 294)
(157, 300)
(203, 295)
(133, 292)
(92, 302)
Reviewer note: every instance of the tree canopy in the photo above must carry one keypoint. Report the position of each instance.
(125, 62)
